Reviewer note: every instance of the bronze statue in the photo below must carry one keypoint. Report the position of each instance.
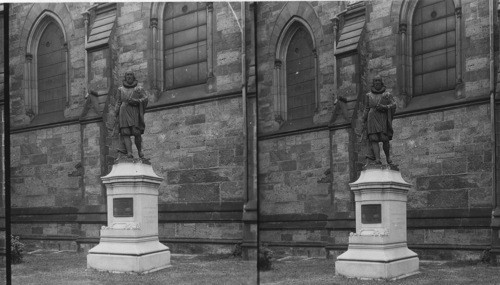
(130, 108)
(377, 120)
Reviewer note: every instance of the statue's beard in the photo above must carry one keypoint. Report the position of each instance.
(126, 84)
(378, 91)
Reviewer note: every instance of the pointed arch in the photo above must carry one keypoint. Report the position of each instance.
(302, 10)
(32, 81)
(288, 101)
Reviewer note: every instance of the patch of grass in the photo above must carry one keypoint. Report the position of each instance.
(71, 268)
(303, 270)
(300, 271)
(47, 267)
(462, 263)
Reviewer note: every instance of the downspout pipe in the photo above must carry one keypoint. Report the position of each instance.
(495, 215)
(492, 97)
(244, 101)
(255, 110)
(86, 16)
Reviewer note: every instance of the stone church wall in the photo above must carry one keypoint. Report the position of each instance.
(194, 135)
(294, 189)
(196, 146)
(443, 149)
(445, 152)
(295, 185)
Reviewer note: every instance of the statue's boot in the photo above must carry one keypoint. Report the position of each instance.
(376, 152)
(122, 148)
(370, 157)
(387, 147)
(138, 144)
(128, 146)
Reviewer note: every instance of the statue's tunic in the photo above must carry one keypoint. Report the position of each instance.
(131, 106)
(379, 111)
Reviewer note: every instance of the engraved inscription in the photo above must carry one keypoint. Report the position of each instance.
(371, 214)
(123, 207)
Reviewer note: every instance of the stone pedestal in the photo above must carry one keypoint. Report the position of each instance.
(378, 249)
(130, 241)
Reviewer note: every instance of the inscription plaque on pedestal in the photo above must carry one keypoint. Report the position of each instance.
(371, 214)
(123, 207)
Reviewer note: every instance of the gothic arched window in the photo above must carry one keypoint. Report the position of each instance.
(46, 78)
(185, 44)
(295, 76)
(300, 77)
(434, 44)
(51, 70)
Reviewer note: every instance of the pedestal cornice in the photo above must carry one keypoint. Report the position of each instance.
(380, 177)
(131, 171)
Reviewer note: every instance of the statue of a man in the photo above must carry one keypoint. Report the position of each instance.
(130, 108)
(377, 119)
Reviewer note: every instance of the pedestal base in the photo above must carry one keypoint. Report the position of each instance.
(377, 262)
(129, 256)
(377, 270)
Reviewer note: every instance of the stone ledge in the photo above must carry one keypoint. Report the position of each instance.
(292, 217)
(293, 225)
(200, 217)
(162, 207)
(294, 244)
(168, 240)
(43, 211)
(427, 213)
(201, 207)
(199, 240)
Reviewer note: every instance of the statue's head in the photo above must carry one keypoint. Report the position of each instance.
(129, 77)
(377, 83)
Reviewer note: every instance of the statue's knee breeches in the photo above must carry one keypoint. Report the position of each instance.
(378, 137)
